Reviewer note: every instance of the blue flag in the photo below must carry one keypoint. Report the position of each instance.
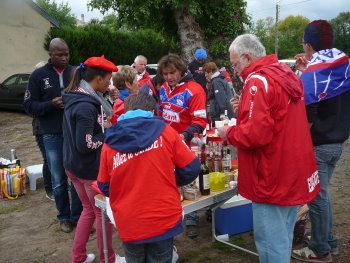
(326, 76)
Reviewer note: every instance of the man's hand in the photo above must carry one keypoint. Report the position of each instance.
(57, 102)
(182, 136)
(222, 131)
(301, 62)
(234, 103)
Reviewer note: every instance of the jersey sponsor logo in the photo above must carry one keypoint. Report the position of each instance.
(251, 109)
(180, 100)
(313, 181)
(200, 113)
(253, 90)
(171, 116)
(47, 83)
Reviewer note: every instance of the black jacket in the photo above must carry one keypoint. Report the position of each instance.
(83, 137)
(44, 85)
(196, 69)
(331, 119)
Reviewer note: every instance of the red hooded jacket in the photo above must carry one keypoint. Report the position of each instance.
(144, 79)
(275, 154)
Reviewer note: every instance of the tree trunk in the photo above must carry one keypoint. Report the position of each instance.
(190, 33)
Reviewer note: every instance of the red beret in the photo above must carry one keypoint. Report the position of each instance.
(101, 63)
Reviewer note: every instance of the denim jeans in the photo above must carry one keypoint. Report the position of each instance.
(88, 216)
(54, 153)
(157, 252)
(321, 215)
(273, 231)
(192, 219)
(46, 171)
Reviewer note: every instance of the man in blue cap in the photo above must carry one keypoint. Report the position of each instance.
(196, 67)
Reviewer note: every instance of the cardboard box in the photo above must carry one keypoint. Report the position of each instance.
(234, 216)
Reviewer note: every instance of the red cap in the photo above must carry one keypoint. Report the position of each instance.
(101, 63)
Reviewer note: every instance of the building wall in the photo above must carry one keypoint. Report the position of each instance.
(23, 32)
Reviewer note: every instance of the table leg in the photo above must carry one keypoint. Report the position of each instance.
(104, 235)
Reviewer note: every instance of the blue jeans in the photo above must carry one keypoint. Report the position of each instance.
(192, 219)
(46, 171)
(54, 153)
(157, 252)
(322, 239)
(273, 231)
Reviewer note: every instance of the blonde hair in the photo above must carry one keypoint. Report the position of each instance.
(125, 73)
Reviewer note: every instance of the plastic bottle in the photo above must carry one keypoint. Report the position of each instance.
(195, 144)
(226, 119)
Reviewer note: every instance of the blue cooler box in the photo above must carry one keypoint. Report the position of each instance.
(234, 216)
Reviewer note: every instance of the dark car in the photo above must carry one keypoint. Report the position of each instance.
(12, 91)
(152, 69)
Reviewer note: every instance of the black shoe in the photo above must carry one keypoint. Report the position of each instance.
(192, 231)
(66, 226)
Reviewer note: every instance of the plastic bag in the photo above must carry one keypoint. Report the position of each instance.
(12, 182)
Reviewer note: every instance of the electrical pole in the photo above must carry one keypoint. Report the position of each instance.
(276, 37)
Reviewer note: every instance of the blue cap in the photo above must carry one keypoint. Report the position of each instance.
(200, 54)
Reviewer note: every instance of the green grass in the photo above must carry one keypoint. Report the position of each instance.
(10, 209)
(239, 241)
(205, 259)
(189, 255)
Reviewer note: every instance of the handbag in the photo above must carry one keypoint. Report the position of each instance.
(12, 182)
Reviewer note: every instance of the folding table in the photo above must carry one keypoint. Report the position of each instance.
(212, 201)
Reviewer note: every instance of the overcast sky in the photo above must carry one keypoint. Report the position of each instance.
(312, 9)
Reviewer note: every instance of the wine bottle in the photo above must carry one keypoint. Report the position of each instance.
(204, 177)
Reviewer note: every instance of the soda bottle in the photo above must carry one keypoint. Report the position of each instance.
(195, 144)
(204, 177)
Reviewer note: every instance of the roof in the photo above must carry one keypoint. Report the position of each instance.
(41, 11)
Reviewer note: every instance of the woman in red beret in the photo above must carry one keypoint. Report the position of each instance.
(85, 108)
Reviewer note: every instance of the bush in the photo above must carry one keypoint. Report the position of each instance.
(118, 46)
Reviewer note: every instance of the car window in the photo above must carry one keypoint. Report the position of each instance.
(10, 81)
(23, 79)
(152, 69)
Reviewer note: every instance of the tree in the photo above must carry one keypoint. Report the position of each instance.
(263, 29)
(197, 23)
(341, 28)
(61, 12)
(290, 34)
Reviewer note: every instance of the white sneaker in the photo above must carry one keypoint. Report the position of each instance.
(175, 255)
(90, 258)
(119, 259)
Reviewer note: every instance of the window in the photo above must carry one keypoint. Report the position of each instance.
(23, 80)
(10, 81)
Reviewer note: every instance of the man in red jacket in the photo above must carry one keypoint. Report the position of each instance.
(140, 64)
(277, 166)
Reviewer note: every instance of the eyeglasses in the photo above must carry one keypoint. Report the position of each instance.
(233, 66)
